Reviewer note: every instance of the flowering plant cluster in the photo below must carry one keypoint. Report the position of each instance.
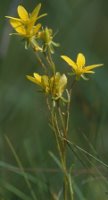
(51, 82)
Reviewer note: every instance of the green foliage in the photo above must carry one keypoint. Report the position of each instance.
(81, 25)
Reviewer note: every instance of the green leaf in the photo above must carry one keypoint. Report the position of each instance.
(15, 191)
(55, 159)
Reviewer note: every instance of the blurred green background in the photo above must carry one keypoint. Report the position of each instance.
(81, 26)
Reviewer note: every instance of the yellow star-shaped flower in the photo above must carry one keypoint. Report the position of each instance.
(54, 85)
(79, 67)
(25, 24)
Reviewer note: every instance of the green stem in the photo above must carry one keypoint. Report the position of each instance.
(41, 62)
(50, 62)
(61, 124)
(66, 177)
(56, 132)
(38, 49)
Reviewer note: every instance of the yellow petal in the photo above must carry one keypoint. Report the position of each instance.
(29, 26)
(37, 78)
(62, 82)
(57, 77)
(17, 25)
(17, 19)
(88, 72)
(45, 81)
(70, 62)
(22, 12)
(92, 66)
(80, 60)
(43, 15)
(30, 78)
(14, 23)
(36, 28)
(35, 12)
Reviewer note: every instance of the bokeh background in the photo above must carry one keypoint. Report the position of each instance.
(80, 26)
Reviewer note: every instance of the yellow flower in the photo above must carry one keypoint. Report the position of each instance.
(47, 36)
(25, 24)
(54, 85)
(58, 83)
(79, 67)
